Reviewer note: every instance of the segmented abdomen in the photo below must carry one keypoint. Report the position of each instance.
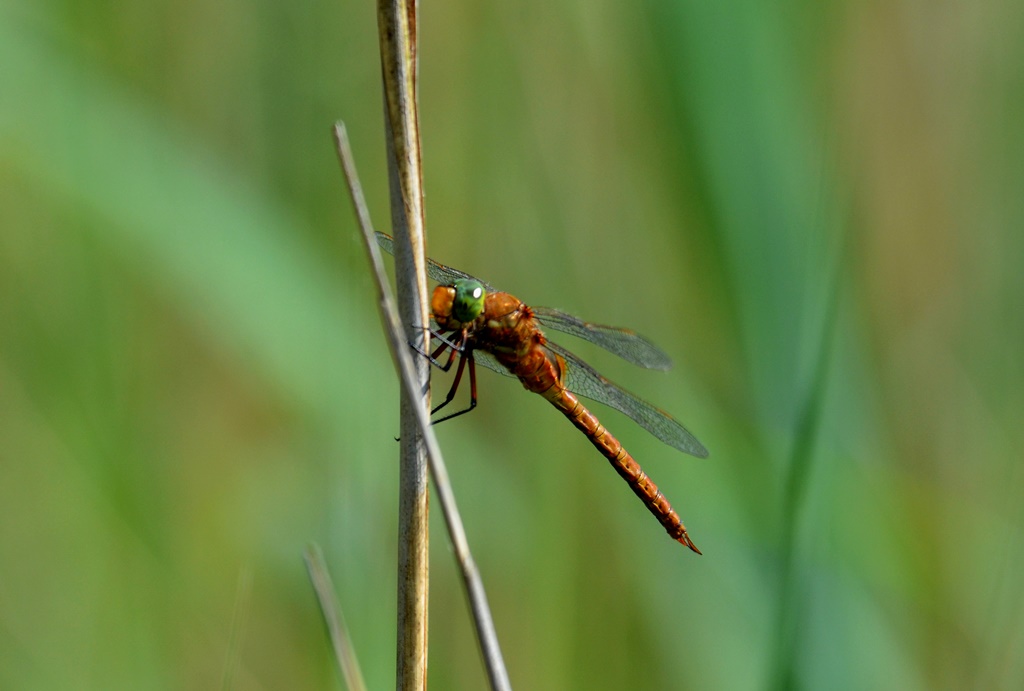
(545, 377)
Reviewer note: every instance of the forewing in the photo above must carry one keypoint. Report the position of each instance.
(444, 275)
(627, 344)
(582, 379)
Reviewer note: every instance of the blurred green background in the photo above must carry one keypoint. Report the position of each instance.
(815, 208)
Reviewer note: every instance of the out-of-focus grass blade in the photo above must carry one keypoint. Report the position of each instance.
(739, 77)
(741, 90)
(233, 258)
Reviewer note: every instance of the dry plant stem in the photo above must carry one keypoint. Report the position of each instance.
(396, 20)
(341, 642)
(400, 353)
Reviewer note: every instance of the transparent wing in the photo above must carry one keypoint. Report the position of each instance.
(444, 275)
(627, 344)
(582, 379)
(487, 360)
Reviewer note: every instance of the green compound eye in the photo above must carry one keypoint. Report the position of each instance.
(469, 300)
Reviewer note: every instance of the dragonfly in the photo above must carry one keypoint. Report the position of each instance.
(480, 324)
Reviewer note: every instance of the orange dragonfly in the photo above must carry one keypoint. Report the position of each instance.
(501, 333)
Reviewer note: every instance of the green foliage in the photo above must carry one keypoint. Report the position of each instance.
(825, 199)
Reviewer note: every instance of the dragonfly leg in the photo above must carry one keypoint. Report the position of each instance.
(455, 385)
(457, 346)
(455, 350)
(457, 343)
(466, 357)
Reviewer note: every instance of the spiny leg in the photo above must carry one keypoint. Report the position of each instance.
(466, 357)
(433, 357)
(456, 345)
(454, 387)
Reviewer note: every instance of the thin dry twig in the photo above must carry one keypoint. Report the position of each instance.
(484, 622)
(341, 642)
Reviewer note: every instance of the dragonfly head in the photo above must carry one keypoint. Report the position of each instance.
(469, 300)
(456, 305)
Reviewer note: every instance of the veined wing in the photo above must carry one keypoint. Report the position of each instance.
(444, 275)
(628, 345)
(582, 379)
(490, 362)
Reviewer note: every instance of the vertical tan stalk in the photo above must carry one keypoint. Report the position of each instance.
(396, 21)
